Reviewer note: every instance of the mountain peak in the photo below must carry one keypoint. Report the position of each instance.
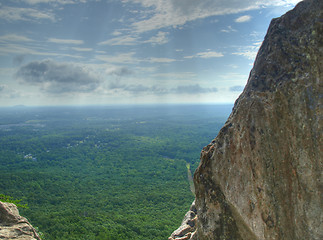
(260, 177)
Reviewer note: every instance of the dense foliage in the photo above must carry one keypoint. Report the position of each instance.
(9, 199)
(104, 172)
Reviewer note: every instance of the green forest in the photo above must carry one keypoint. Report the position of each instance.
(104, 172)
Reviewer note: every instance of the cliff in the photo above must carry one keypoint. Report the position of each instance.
(261, 177)
(14, 226)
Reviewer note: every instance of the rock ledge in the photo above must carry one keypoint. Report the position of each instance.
(14, 226)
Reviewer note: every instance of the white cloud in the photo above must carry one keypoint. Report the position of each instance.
(158, 90)
(161, 60)
(14, 38)
(8, 48)
(24, 14)
(8, 93)
(126, 40)
(159, 14)
(65, 41)
(82, 49)
(159, 38)
(130, 40)
(116, 33)
(209, 54)
(32, 2)
(123, 58)
(170, 13)
(286, 3)
(242, 19)
(249, 52)
(119, 71)
(233, 66)
(176, 75)
(228, 30)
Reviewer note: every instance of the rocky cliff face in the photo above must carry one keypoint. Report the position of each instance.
(261, 177)
(13, 226)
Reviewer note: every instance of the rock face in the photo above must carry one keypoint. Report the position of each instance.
(13, 226)
(261, 177)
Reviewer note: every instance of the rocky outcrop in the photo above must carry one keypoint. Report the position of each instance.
(14, 226)
(261, 177)
(188, 226)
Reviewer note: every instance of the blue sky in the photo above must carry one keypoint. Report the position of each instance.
(84, 52)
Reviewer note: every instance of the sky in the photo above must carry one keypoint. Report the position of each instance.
(98, 52)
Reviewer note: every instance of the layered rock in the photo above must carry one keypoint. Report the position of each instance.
(14, 226)
(261, 177)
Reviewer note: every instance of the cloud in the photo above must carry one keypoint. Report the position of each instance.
(130, 40)
(236, 88)
(33, 2)
(17, 60)
(160, 38)
(249, 52)
(56, 78)
(193, 89)
(131, 88)
(14, 38)
(176, 75)
(126, 40)
(160, 14)
(169, 13)
(119, 71)
(9, 48)
(123, 58)
(65, 41)
(208, 54)
(136, 89)
(6, 92)
(12, 14)
(82, 49)
(2, 88)
(128, 58)
(161, 60)
(116, 33)
(228, 30)
(242, 19)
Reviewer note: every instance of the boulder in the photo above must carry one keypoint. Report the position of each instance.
(14, 226)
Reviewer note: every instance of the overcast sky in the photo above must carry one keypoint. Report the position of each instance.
(73, 52)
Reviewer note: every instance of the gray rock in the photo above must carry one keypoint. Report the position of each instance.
(14, 226)
(261, 177)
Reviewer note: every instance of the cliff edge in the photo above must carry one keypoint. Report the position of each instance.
(14, 226)
(261, 177)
